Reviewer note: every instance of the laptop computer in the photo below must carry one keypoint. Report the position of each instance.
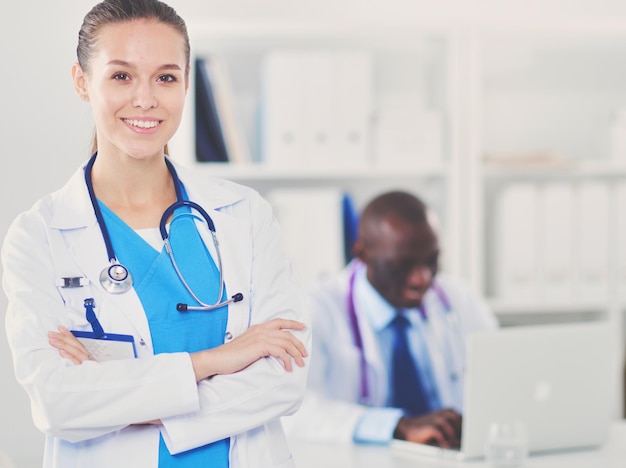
(556, 379)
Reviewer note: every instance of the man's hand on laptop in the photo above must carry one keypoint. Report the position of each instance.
(441, 428)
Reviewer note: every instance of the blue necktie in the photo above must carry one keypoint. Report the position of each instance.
(407, 390)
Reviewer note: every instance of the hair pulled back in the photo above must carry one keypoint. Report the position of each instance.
(122, 11)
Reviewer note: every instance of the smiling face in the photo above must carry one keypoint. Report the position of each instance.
(136, 84)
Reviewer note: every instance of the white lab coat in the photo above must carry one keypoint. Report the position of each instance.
(86, 410)
(331, 409)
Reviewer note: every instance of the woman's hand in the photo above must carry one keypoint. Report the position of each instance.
(68, 345)
(271, 338)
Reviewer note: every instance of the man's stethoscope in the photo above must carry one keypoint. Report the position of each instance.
(451, 321)
(116, 278)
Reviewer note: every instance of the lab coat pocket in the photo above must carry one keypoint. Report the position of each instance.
(74, 300)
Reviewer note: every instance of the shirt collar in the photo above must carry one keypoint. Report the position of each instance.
(378, 311)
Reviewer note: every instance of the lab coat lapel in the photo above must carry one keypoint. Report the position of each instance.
(234, 247)
(234, 243)
(92, 261)
(377, 376)
(376, 369)
(75, 220)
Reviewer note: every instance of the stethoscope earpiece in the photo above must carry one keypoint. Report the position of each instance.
(181, 307)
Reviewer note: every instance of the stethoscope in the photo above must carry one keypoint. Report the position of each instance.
(116, 278)
(451, 320)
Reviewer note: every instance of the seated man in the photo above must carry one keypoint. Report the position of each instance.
(389, 335)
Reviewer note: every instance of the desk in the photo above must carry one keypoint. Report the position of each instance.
(318, 455)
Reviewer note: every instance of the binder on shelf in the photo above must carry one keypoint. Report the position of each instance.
(516, 242)
(210, 144)
(593, 242)
(237, 147)
(557, 250)
(407, 134)
(280, 113)
(621, 238)
(352, 113)
(312, 223)
(617, 138)
(316, 108)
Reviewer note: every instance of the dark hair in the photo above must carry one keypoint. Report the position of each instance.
(401, 205)
(121, 11)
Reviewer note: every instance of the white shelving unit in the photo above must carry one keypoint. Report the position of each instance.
(420, 66)
(529, 103)
(547, 96)
(549, 93)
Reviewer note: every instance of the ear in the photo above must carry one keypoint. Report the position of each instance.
(359, 251)
(80, 82)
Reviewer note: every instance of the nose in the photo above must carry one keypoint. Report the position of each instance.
(144, 97)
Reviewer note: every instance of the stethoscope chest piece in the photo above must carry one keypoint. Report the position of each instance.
(116, 279)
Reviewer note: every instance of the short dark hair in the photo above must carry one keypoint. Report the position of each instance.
(399, 204)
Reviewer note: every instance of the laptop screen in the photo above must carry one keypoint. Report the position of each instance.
(558, 380)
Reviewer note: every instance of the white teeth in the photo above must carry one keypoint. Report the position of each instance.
(142, 123)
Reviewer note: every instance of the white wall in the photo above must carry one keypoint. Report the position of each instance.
(43, 136)
(45, 129)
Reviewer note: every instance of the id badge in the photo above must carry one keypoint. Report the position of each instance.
(107, 347)
(103, 346)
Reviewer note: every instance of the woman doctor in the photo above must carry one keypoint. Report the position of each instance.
(219, 329)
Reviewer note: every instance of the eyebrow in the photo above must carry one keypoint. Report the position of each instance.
(123, 63)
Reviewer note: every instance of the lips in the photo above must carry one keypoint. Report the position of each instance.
(413, 294)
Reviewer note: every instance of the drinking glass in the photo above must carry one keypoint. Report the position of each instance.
(507, 444)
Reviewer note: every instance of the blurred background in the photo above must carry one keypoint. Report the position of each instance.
(508, 117)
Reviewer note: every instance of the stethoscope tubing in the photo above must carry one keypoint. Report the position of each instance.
(96, 208)
(358, 338)
(116, 286)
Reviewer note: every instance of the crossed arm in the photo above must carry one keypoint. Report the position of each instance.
(271, 338)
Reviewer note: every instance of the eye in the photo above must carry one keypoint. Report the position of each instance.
(433, 262)
(121, 76)
(167, 79)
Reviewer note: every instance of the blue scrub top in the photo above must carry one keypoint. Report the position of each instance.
(160, 289)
